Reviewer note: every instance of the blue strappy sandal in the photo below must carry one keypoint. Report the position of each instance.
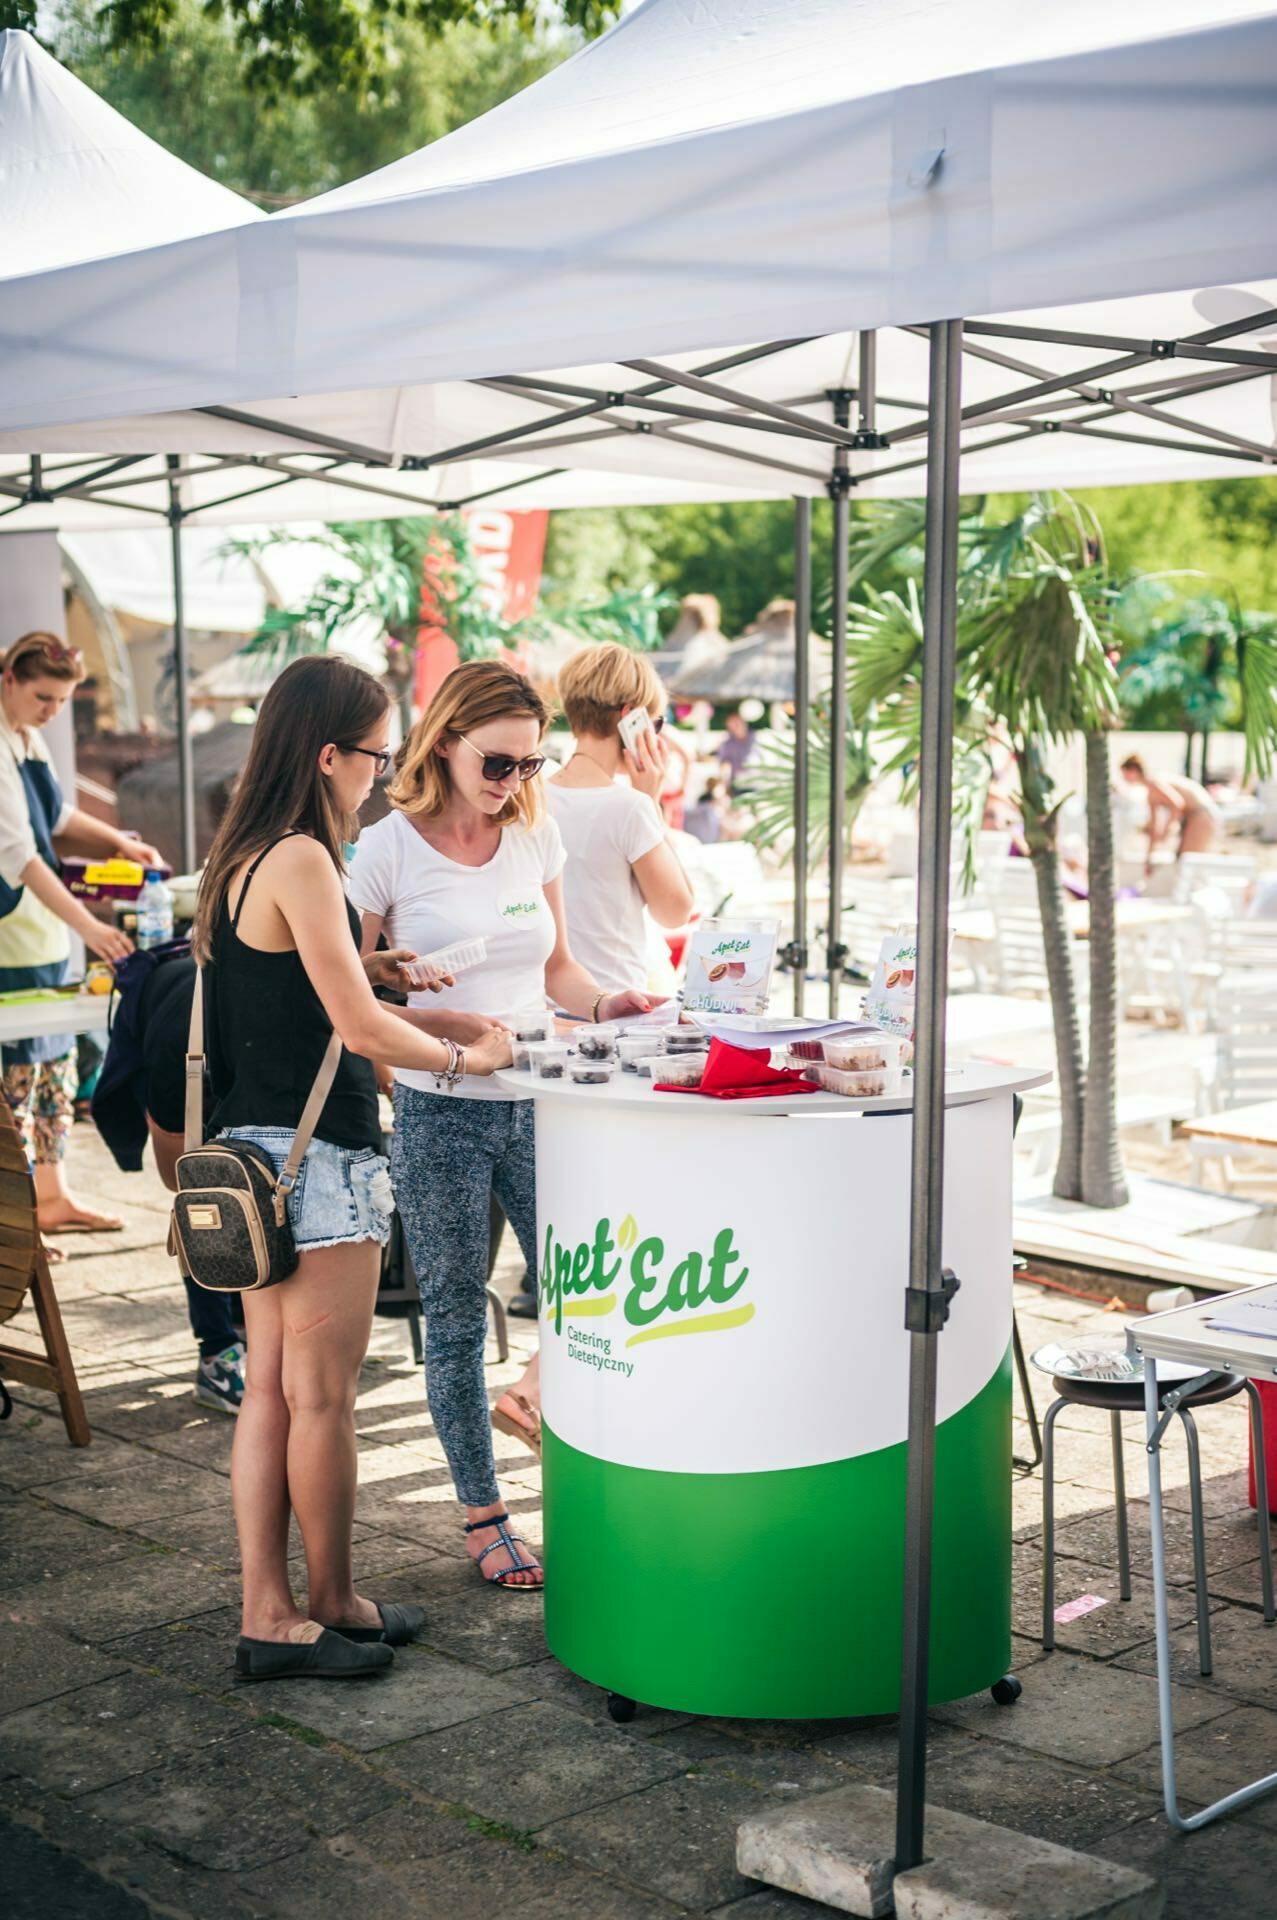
(505, 1538)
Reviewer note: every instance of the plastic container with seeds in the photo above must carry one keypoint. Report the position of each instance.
(549, 1060)
(533, 1023)
(596, 1042)
(683, 1039)
(633, 1047)
(678, 1070)
(857, 1086)
(591, 1073)
(856, 1053)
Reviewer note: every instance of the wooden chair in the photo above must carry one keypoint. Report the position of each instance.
(24, 1270)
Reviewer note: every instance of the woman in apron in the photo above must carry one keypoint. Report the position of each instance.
(38, 914)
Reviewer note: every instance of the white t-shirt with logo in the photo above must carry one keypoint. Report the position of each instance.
(429, 901)
(605, 830)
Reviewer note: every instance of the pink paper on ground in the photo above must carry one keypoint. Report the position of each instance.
(1074, 1609)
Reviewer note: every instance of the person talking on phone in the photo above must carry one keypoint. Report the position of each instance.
(621, 863)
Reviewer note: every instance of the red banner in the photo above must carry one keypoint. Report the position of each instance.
(508, 550)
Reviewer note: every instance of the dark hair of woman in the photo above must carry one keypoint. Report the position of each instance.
(316, 702)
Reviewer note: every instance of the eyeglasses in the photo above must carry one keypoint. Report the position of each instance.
(381, 755)
(499, 766)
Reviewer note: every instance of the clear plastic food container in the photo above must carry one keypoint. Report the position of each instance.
(674, 1070)
(550, 1060)
(631, 1048)
(456, 958)
(857, 1086)
(858, 1053)
(683, 1039)
(534, 1023)
(597, 1042)
(591, 1073)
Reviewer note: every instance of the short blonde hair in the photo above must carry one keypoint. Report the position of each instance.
(471, 696)
(597, 682)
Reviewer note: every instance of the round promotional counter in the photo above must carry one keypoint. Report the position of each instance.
(725, 1394)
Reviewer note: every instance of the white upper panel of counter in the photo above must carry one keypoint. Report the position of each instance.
(963, 1085)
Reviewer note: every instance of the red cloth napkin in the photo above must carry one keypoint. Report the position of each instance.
(739, 1073)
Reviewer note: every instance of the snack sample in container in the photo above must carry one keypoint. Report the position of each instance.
(683, 1039)
(597, 1042)
(856, 1054)
(678, 1070)
(591, 1073)
(633, 1047)
(857, 1086)
(534, 1023)
(550, 1061)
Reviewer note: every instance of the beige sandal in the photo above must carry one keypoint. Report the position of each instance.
(506, 1423)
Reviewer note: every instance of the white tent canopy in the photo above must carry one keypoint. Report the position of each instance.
(1083, 153)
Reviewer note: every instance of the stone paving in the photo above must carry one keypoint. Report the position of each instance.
(137, 1779)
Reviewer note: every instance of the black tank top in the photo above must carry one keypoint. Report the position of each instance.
(266, 1034)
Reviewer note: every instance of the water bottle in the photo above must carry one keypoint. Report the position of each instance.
(154, 912)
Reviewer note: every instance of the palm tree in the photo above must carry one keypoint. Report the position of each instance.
(1034, 667)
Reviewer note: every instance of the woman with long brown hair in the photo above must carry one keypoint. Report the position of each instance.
(279, 948)
(37, 913)
(467, 852)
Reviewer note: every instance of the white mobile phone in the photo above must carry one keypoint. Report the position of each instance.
(634, 725)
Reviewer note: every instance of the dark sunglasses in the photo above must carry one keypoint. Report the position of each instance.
(499, 766)
(382, 756)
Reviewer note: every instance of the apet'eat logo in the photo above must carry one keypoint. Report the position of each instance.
(657, 1297)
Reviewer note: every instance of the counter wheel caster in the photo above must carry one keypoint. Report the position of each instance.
(621, 1708)
(1007, 1690)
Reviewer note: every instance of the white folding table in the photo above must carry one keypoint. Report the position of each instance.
(1185, 1335)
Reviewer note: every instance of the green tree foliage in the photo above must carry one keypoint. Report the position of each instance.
(337, 46)
(188, 92)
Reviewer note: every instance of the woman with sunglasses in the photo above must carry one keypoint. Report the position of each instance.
(467, 852)
(38, 914)
(606, 803)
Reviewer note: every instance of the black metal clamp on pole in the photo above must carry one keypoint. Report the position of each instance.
(930, 1289)
(181, 675)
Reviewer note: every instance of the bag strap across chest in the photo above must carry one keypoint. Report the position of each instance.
(320, 1089)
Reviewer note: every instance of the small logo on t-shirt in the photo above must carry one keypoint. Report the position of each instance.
(518, 906)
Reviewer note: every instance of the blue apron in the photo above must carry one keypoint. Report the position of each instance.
(44, 807)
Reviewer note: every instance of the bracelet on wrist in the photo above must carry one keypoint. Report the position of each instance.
(599, 998)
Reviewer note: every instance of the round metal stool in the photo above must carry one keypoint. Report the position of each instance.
(1126, 1395)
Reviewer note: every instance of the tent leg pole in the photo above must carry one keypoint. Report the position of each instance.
(839, 493)
(182, 675)
(802, 700)
(924, 1306)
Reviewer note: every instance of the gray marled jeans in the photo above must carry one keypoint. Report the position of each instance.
(449, 1154)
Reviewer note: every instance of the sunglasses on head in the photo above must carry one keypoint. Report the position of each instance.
(51, 650)
(381, 756)
(499, 766)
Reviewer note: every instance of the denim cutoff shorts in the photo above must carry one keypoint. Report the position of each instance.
(343, 1194)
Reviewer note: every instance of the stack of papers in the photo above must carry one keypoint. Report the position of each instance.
(1247, 1317)
(758, 1031)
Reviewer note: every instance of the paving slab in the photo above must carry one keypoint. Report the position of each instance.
(39, 1542)
(1242, 1584)
(1072, 1806)
(530, 1765)
(1214, 1759)
(677, 1839)
(772, 1904)
(1231, 1538)
(35, 1451)
(146, 1590)
(41, 1882)
(506, 1883)
(421, 1694)
(245, 1802)
(1083, 1711)
(112, 1729)
(1105, 1631)
(546, 1679)
(490, 1629)
(1225, 1872)
(385, 1866)
(1244, 1650)
(143, 1490)
(184, 1651)
(37, 1664)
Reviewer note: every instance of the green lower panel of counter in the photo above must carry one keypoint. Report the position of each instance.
(778, 1595)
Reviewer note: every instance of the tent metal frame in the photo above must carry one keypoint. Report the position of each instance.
(1080, 402)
